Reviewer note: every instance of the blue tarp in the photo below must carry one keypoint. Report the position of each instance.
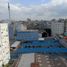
(27, 35)
(47, 43)
(41, 50)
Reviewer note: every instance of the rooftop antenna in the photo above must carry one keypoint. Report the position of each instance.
(9, 12)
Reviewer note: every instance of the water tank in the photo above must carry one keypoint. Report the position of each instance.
(21, 27)
(65, 34)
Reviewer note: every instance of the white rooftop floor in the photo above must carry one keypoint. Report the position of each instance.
(26, 60)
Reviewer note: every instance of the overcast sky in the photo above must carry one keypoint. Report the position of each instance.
(34, 9)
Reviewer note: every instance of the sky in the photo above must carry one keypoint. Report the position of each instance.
(33, 9)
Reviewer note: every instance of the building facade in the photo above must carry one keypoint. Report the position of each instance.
(57, 28)
(4, 44)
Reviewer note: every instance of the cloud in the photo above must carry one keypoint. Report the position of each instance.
(52, 9)
(3, 1)
(58, 2)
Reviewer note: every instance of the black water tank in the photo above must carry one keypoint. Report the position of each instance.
(46, 33)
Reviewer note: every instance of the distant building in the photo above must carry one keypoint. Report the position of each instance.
(4, 44)
(57, 28)
(66, 27)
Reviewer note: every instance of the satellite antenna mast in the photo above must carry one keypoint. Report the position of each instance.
(9, 12)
